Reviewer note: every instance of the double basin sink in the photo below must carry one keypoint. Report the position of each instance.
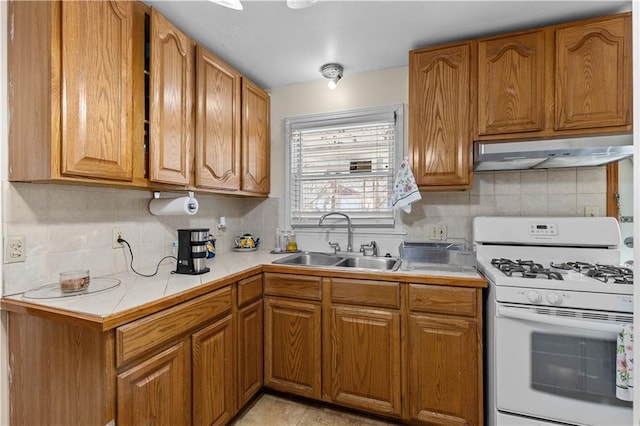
(309, 258)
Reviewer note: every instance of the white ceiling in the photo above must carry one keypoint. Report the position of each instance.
(277, 46)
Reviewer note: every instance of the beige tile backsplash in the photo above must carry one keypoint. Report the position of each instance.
(69, 227)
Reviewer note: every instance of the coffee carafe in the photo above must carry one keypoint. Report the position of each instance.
(192, 251)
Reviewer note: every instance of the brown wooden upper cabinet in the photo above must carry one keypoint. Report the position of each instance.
(171, 104)
(256, 137)
(71, 92)
(113, 103)
(593, 74)
(232, 149)
(439, 113)
(563, 80)
(217, 145)
(511, 83)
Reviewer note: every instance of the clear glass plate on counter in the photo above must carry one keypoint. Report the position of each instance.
(53, 291)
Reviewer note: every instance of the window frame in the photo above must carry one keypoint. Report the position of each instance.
(353, 116)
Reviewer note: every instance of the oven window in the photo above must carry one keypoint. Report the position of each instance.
(575, 367)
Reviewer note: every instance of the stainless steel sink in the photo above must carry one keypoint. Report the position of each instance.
(308, 258)
(378, 263)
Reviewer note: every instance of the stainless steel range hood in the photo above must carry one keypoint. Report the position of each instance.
(548, 154)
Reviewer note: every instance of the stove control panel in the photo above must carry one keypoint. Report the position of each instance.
(564, 298)
(543, 229)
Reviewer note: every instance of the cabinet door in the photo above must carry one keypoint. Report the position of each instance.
(97, 101)
(439, 126)
(511, 84)
(256, 146)
(171, 127)
(217, 123)
(292, 347)
(363, 359)
(445, 370)
(250, 350)
(593, 74)
(157, 390)
(213, 374)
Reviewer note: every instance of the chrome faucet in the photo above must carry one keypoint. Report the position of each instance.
(349, 229)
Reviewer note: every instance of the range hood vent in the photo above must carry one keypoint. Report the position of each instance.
(549, 154)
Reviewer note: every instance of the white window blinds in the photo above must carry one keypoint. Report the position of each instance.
(343, 162)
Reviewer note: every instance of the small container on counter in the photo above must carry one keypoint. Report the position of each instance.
(71, 281)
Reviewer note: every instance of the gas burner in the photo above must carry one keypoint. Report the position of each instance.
(524, 269)
(607, 273)
(603, 273)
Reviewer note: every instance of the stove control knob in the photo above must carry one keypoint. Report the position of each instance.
(554, 298)
(533, 296)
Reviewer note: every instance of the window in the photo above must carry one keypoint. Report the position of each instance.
(343, 162)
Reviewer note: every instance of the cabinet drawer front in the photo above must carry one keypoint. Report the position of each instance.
(440, 299)
(140, 336)
(365, 292)
(289, 285)
(249, 289)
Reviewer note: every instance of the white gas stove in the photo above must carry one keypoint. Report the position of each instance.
(558, 301)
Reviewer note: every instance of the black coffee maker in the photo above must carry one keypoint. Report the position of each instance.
(192, 251)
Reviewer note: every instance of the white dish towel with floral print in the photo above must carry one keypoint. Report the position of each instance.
(405, 189)
(624, 364)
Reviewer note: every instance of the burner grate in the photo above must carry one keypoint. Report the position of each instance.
(524, 269)
(530, 269)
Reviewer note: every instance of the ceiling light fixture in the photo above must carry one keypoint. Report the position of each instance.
(333, 72)
(231, 4)
(300, 4)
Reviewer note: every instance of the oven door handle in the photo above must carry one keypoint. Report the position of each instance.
(515, 313)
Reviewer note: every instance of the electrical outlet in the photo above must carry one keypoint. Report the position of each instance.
(437, 232)
(116, 233)
(592, 211)
(442, 231)
(15, 249)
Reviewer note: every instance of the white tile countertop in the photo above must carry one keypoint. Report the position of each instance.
(136, 292)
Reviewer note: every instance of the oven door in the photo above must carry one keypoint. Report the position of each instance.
(557, 368)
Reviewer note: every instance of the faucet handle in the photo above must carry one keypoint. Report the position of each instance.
(335, 247)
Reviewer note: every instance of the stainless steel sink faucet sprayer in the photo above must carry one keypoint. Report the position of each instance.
(349, 228)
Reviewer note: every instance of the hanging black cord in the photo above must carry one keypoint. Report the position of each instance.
(122, 240)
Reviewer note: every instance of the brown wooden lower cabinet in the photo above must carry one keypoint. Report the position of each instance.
(362, 369)
(214, 401)
(292, 346)
(157, 388)
(412, 352)
(443, 378)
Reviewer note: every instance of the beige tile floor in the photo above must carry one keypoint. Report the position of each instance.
(272, 410)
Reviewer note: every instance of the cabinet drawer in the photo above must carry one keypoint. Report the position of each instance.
(365, 292)
(445, 300)
(143, 335)
(249, 289)
(290, 285)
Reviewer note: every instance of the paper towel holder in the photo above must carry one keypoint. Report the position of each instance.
(193, 203)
